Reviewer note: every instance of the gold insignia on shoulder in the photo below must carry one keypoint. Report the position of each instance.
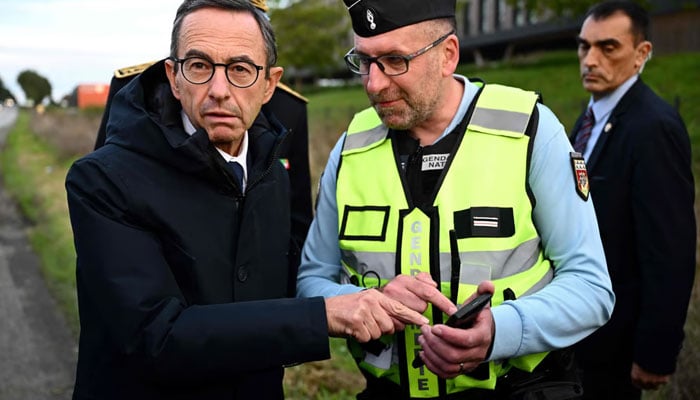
(292, 92)
(578, 165)
(261, 4)
(132, 70)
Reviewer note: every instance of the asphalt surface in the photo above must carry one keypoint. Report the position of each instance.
(37, 350)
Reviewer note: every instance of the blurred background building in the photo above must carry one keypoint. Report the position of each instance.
(497, 29)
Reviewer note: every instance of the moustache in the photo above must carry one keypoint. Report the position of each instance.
(586, 73)
(383, 97)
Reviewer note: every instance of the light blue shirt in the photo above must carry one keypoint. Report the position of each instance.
(602, 109)
(577, 301)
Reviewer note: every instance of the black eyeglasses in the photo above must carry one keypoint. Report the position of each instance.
(198, 70)
(390, 64)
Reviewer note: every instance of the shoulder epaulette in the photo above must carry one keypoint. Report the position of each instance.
(132, 70)
(261, 4)
(292, 92)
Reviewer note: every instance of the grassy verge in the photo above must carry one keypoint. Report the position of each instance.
(34, 175)
(329, 113)
(334, 379)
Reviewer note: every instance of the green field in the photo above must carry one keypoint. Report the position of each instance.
(35, 159)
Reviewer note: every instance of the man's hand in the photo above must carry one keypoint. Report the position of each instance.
(416, 292)
(368, 315)
(646, 380)
(449, 352)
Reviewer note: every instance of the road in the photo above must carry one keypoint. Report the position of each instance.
(37, 350)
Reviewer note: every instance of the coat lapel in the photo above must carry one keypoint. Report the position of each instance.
(613, 121)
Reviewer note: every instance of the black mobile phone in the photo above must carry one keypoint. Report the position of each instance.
(465, 316)
(462, 318)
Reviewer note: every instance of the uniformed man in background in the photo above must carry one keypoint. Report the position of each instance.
(289, 109)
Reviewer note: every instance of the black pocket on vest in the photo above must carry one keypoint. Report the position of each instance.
(374, 224)
(484, 222)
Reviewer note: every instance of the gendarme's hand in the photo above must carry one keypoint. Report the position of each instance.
(449, 352)
(368, 315)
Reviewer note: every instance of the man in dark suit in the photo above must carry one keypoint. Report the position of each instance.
(286, 106)
(637, 152)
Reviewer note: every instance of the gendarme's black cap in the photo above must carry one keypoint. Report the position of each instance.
(374, 17)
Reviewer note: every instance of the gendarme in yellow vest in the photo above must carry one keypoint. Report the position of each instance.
(483, 198)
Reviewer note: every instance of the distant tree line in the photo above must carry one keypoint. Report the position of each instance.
(5, 92)
(312, 37)
(36, 88)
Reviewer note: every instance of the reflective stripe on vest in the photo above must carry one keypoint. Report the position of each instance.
(483, 197)
(415, 258)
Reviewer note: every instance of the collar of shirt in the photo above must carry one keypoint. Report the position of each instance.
(602, 108)
(242, 157)
(470, 91)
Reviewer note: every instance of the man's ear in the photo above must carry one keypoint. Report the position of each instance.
(451, 52)
(172, 77)
(643, 55)
(271, 82)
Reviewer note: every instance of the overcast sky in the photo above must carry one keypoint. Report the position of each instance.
(80, 41)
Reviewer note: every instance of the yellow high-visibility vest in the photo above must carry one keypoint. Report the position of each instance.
(483, 198)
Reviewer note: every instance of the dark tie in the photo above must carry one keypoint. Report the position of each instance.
(584, 132)
(237, 170)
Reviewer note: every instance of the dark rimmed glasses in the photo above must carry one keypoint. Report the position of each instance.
(198, 70)
(389, 64)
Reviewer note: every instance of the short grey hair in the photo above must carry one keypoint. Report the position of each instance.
(189, 6)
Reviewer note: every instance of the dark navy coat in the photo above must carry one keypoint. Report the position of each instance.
(181, 278)
(287, 108)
